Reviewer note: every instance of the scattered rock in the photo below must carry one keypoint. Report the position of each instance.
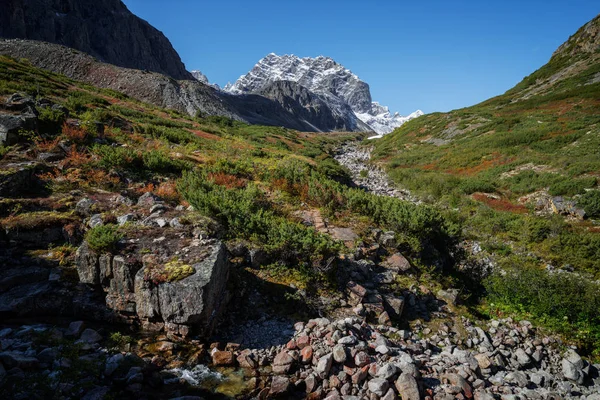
(90, 336)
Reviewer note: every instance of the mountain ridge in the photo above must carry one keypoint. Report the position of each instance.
(325, 77)
(105, 29)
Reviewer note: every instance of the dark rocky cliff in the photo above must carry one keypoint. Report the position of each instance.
(309, 107)
(105, 29)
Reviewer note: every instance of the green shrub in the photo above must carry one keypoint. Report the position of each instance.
(103, 237)
(159, 161)
(117, 340)
(242, 168)
(247, 214)
(566, 302)
(117, 157)
(79, 101)
(333, 170)
(472, 185)
(173, 135)
(590, 202)
(220, 120)
(529, 181)
(293, 170)
(571, 187)
(50, 120)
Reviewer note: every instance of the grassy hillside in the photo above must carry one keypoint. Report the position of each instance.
(501, 162)
(251, 180)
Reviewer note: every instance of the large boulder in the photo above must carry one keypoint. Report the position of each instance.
(193, 301)
(183, 304)
(17, 179)
(11, 125)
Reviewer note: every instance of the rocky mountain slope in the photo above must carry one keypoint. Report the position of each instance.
(188, 96)
(312, 108)
(105, 29)
(337, 86)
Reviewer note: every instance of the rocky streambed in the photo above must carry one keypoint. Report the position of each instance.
(366, 175)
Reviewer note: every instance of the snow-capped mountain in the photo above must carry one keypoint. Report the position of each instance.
(334, 83)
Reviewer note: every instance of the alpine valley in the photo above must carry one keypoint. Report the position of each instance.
(165, 238)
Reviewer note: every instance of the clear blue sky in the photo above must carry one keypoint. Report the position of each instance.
(435, 55)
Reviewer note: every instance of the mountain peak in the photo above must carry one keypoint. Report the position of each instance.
(323, 76)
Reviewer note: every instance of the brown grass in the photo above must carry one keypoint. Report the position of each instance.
(500, 204)
(74, 133)
(227, 180)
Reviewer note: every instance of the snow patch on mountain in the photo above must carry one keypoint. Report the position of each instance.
(383, 121)
(325, 77)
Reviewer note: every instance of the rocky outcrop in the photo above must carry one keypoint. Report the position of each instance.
(105, 29)
(585, 40)
(310, 107)
(164, 280)
(350, 358)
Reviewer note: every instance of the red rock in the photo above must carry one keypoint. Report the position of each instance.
(246, 360)
(222, 358)
(356, 290)
(307, 354)
(459, 381)
(282, 364)
(334, 382)
(291, 345)
(316, 395)
(280, 385)
(360, 375)
(232, 346)
(373, 369)
(384, 319)
(303, 341)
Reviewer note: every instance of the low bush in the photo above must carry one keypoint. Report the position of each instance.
(103, 238)
(590, 202)
(159, 161)
(50, 120)
(571, 187)
(563, 301)
(247, 214)
(173, 135)
(333, 170)
(117, 157)
(472, 185)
